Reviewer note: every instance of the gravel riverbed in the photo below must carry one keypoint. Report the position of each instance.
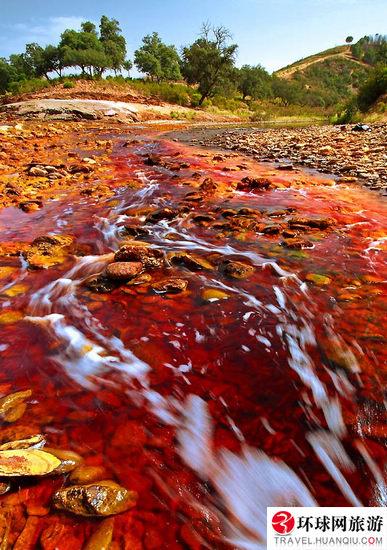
(351, 156)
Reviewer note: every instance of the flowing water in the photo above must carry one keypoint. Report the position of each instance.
(210, 409)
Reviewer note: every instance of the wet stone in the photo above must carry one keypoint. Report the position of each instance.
(151, 258)
(253, 184)
(123, 271)
(102, 537)
(190, 261)
(84, 474)
(297, 244)
(235, 269)
(162, 214)
(170, 286)
(135, 231)
(208, 185)
(100, 284)
(104, 498)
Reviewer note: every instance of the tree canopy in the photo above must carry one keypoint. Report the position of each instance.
(209, 60)
(157, 60)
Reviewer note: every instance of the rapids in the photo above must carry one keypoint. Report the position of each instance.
(211, 410)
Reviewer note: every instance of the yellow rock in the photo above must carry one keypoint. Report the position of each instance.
(102, 537)
(34, 441)
(86, 474)
(102, 498)
(29, 462)
(69, 460)
(12, 406)
(15, 290)
(214, 294)
(6, 271)
(317, 279)
(9, 317)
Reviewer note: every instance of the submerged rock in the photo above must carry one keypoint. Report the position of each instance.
(48, 250)
(103, 498)
(100, 284)
(69, 460)
(214, 295)
(317, 279)
(314, 223)
(123, 271)
(12, 406)
(162, 214)
(253, 184)
(235, 269)
(83, 474)
(102, 536)
(170, 286)
(297, 244)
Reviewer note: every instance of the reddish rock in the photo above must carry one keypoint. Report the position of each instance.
(170, 286)
(123, 271)
(151, 258)
(235, 270)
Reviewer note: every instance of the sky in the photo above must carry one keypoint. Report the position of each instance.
(273, 33)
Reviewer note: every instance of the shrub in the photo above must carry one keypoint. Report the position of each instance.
(68, 84)
(28, 86)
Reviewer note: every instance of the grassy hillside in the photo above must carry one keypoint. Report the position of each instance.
(289, 70)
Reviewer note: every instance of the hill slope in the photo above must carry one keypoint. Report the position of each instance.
(332, 53)
(334, 74)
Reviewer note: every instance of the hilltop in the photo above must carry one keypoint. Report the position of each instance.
(337, 73)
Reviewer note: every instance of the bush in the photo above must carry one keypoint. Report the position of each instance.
(180, 94)
(68, 85)
(374, 88)
(28, 86)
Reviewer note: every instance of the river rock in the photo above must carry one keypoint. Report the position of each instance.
(162, 214)
(100, 284)
(235, 269)
(69, 460)
(170, 286)
(253, 184)
(12, 406)
(151, 258)
(84, 474)
(297, 244)
(48, 250)
(103, 498)
(27, 462)
(123, 271)
(102, 536)
(190, 261)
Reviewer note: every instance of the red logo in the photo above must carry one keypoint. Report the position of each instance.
(283, 522)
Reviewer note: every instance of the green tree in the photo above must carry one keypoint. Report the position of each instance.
(113, 42)
(254, 82)
(349, 39)
(6, 75)
(374, 88)
(209, 60)
(84, 49)
(157, 60)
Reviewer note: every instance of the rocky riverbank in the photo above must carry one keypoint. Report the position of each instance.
(352, 156)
